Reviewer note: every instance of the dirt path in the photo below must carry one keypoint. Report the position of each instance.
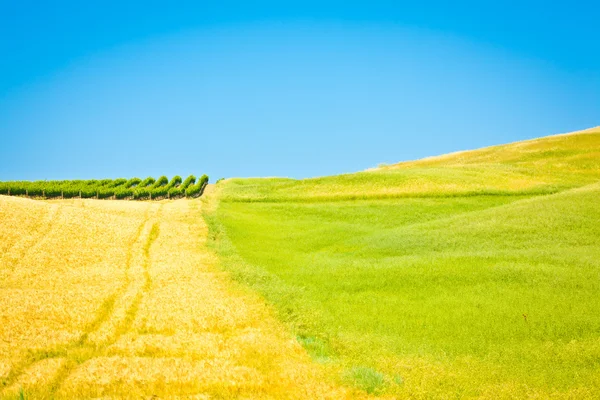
(123, 300)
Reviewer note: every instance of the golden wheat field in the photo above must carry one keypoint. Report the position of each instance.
(108, 299)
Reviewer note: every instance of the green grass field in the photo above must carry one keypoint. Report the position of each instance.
(475, 274)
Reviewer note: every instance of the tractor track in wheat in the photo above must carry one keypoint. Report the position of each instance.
(173, 325)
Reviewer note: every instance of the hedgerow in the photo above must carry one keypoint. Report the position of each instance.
(53, 191)
(105, 182)
(159, 192)
(162, 181)
(190, 180)
(16, 191)
(35, 190)
(88, 192)
(123, 193)
(146, 182)
(196, 190)
(132, 183)
(117, 183)
(120, 188)
(175, 181)
(141, 194)
(176, 192)
(105, 193)
(70, 192)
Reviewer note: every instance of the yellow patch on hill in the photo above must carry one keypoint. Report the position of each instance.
(574, 151)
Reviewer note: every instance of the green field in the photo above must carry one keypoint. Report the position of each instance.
(475, 274)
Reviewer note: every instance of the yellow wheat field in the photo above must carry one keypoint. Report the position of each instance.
(109, 299)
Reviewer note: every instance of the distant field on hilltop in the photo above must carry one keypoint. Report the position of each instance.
(473, 274)
(539, 166)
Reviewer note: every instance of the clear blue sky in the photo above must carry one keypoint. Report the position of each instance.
(299, 89)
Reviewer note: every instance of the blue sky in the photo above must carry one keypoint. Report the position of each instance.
(293, 89)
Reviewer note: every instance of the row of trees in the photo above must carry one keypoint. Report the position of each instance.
(134, 188)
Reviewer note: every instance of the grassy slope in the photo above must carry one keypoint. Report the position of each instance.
(426, 287)
(538, 166)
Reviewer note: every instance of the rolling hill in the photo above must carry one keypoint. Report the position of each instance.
(469, 275)
(540, 166)
(472, 274)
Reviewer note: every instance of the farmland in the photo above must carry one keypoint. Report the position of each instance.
(474, 274)
(468, 275)
(114, 299)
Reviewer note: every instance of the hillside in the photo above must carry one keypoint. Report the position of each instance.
(473, 274)
(540, 166)
(467, 275)
(575, 152)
